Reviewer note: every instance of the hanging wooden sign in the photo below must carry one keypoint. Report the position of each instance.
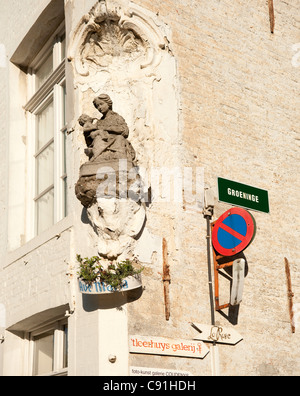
(217, 333)
(167, 346)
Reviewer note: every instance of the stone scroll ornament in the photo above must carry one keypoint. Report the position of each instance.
(107, 39)
(108, 185)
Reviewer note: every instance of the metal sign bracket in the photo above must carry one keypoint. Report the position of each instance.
(221, 262)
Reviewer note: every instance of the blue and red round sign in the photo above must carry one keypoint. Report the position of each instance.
(233, 231)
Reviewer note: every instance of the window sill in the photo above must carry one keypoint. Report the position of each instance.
(39, 240)
(58, 373)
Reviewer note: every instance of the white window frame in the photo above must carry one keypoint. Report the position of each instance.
(53, 87)
(58, 327)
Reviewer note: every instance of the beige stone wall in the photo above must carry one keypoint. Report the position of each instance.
(239, 98)
(231, 111)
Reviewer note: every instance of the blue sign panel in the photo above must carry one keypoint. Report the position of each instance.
(233, 231)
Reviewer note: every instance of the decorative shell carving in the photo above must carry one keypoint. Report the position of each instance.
(105, 40)
(103, 36)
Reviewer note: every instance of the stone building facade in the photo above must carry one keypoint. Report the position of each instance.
(206, 91)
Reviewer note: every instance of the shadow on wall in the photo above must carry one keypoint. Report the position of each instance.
(92, 302)
(233, 310)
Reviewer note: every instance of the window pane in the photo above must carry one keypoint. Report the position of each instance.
(65, 347)
(64, 177)
(64, 104)
(45, 126)
(64, 153)
(65, 197)
(63, 47)
(45, 169)
(44, 71)
(45, 211)
(43, 353)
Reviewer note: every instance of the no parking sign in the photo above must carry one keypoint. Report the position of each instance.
(233, 231)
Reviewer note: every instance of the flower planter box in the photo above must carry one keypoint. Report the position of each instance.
(129, 283)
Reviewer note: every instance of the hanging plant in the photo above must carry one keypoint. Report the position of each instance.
(95, 276)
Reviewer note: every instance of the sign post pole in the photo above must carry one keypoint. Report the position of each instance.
(217, 267)
(208, 212)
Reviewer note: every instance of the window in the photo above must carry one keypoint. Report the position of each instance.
(47, 203)
(49, 350)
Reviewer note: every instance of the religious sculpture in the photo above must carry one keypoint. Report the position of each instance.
(104, 187)
(124, 49)
(107, 144)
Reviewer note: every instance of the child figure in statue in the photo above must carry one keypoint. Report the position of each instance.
(106, 138)
(94, 137)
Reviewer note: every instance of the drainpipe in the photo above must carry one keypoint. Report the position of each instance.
(207, 214)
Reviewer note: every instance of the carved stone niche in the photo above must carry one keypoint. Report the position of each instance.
(106, 38)
(119, 51)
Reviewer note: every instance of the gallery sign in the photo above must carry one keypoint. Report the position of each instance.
(243, 195)
(157, 372)
(167, 346)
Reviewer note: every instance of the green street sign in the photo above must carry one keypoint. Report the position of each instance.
(243, 195)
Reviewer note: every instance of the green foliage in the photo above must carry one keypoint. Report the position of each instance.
(91, 270)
